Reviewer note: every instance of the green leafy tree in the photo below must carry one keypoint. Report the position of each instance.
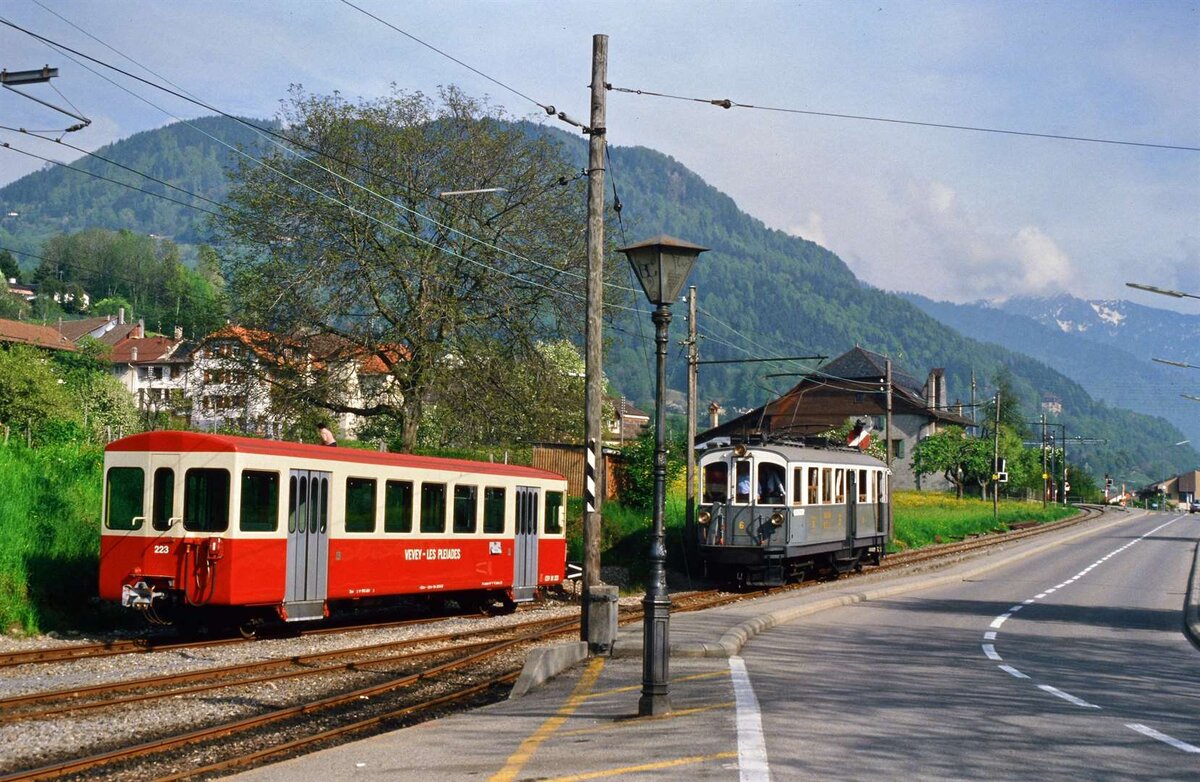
(948, 452)
(452, 294)
(32, 390)
(9, 268)
(637, 484)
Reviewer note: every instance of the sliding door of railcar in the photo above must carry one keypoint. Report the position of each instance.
(525, 554)
(851, 507)
(307, 544)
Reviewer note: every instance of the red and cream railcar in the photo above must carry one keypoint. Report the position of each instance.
(194, 519)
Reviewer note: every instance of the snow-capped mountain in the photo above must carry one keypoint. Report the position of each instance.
(1142, 330)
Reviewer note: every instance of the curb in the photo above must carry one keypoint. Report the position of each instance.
(1191, 606)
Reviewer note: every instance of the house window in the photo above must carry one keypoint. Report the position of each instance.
(898, 449)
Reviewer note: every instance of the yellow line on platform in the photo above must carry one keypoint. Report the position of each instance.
(518, 759)
(659, 766)
(674, 713)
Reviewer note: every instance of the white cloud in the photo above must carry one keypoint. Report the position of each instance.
(811, 228)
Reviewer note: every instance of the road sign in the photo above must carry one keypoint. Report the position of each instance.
(574, 571)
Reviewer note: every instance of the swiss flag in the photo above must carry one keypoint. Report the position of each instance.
(859, 437)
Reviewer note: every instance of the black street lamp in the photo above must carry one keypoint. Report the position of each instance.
(662, 266)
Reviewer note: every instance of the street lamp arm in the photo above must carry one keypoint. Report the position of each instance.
(1162, 291)
(1169, 362)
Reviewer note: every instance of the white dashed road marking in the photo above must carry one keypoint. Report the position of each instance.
(1154, 734)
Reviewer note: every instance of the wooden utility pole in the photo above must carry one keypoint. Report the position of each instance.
(594, 478)
(996, 463)
(693, 355)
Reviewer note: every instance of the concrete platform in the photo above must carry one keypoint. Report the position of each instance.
(583, 724)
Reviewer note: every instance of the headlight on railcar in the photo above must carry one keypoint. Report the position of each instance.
(704, 518)
(777, 518)
(740, 450)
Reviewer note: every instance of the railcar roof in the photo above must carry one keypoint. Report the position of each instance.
(801, 453)
(201, 442)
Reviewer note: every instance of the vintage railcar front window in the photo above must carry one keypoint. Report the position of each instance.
(742, 488)
(716, 482)
(206, 500)
(770, 484)
(124, 497)
(259, 509)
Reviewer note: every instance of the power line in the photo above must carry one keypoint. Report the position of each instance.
(725, 103)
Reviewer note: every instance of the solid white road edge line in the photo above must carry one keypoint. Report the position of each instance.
(752, 745)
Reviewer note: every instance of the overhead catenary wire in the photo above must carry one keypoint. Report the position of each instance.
(178, 93)
(726, 103)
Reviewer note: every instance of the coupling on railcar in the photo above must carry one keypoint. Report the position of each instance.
(777, 512)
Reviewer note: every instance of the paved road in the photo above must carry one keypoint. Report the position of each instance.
(1069, 665)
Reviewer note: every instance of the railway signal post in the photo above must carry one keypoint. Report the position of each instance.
(662, 266)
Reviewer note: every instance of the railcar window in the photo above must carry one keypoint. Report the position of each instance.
(260, 501)
(797, 485)
(206, 500)
(554, 512)
(770, 483)
(292, 504)
(493, 510)
(880, 487)
(360, 505)
(716, 482)
(826, 485)
(321, 497)
(433, 507)
(814, 485)
(398, 506)
(864, 487)
(465, 505)
(163, 502)
(839, 483)
(124, 498)
(742, 490)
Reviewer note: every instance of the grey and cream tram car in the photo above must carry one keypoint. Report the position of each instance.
(773, 513)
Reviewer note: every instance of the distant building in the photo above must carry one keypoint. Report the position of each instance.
(1052, 404)
(24, 333)
(627, 423)
(853, 385)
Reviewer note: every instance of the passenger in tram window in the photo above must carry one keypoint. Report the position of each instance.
(770, 484)
(326, 436)
(743, 482)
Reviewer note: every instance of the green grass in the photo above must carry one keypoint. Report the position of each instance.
(923, 518)
(49, 535)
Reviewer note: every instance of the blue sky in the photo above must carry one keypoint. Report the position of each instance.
(949, 214)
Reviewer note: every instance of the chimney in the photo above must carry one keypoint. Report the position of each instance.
(141, 329)
(121, 316)
(133, 355)
(178, 333)
(714, 414)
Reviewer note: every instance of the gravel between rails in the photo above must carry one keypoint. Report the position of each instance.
(28, 744)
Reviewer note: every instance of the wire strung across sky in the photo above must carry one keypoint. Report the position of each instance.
(725, 103)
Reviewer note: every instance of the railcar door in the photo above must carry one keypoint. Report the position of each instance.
(307, 545)
(851, 507)
(525, 554)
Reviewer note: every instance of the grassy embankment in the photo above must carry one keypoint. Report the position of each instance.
(922, 518)
(49, 536)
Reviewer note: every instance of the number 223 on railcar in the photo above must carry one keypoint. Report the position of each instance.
(203, 521)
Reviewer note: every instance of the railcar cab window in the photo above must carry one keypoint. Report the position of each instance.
(206, 500)
(360, 505)
(433, 507)
(124, 498)
(163, 501)
(770, 484)
(260, 501)
(826, 485)
(839, 486)
(864, 487)
(716, 482)
(814, 485)
(398, 506)
(742, 491)
(493, 510)
(554, 512)
(465, 507)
